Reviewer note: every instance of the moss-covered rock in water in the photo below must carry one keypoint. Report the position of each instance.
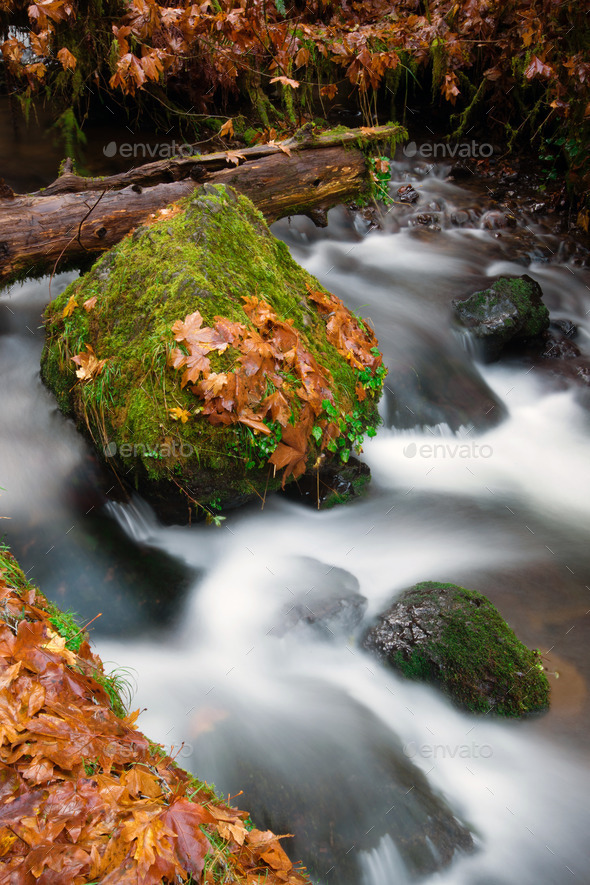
(457, 639)
(510, 309)
(207, 366)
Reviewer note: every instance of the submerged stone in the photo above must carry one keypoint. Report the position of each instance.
(346, 782)
(510, 309)
(323, 600)
(456, 638)
(207, 366)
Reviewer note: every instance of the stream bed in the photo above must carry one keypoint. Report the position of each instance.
(480, 477)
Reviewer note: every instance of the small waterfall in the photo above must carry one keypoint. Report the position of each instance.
(136, 518)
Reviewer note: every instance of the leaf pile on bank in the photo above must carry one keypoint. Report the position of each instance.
(84, 796)
(266, 354)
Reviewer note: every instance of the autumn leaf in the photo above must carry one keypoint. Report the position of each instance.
(184, 329)
(227, 129)
(184, 819)
(234, 157)
(450, 87)
(213, 385)
(90, 304)
(246, 416)
(282, 147)
(302, 57)
(67, 60)
(330, 91)
(278, 407)
(291, 453)
(286, 81)
(196, 363)
(89, 365)
(537, 68)
(178, 414)
(70, 306)
(266, 842)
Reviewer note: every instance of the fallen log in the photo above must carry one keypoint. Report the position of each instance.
(76, 218)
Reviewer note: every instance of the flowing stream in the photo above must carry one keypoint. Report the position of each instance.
(483, 481)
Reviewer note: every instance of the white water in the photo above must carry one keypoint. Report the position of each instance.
(504, 510)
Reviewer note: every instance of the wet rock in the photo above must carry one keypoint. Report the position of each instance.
(461, 171)
(564, 372)
(334, 483)
(456, 639)
(325, 599)
(336, 778)
(559, 348)
(510, 309)
(407, 194)
(439, 388)
(566, 327)
(460, 217)
(495, 220)
(425, 219)
(318, 216)
(558, 357)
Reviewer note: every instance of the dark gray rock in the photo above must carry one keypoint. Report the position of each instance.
(407, 194)
(565, 327)
(510, 309)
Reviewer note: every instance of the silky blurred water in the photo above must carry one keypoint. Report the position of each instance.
(492, 495)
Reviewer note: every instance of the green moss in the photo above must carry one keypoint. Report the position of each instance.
(207, 256)
(66, 624)
(11, 570)
(472, 653)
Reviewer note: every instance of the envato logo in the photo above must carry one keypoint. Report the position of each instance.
(448, 751)
(140, 150)
(136, 450)
(430, 151)
(448, 450)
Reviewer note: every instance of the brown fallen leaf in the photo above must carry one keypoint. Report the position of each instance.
(235, 157)
(282, 147)
(90, 365)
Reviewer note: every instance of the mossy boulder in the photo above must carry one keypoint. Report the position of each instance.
(511, 309)
(456, 638)
(206, 365)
